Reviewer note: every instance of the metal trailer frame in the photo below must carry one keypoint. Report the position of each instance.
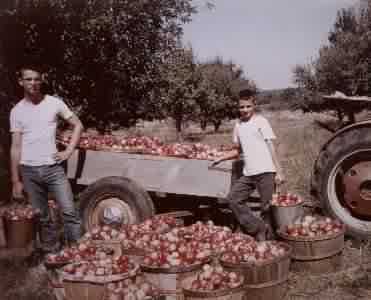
(153, 173)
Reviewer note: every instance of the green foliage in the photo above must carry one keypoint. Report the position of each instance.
(279, 99)
(102, 57)
(178, 86)
(342, 65)
(218, 95)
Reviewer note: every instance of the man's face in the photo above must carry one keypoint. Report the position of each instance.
(246, 108)
(31, 82)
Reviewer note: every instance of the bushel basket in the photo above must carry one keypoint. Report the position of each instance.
(237, 293)
(267, 273)
(19, 233)
(169, 280)
(91, 287)
(312, 248)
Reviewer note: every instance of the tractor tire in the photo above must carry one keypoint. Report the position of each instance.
(133, 201)
(349, 149)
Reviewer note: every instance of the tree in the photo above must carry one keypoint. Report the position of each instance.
(342, 64)
(218, 96)
(179, 82)
(102, 57)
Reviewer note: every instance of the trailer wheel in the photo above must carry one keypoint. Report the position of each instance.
(133, 201)
(342, 180)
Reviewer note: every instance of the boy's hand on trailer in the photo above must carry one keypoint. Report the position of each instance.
(215, 162)
(279, 178)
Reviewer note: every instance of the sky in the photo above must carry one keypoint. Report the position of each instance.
(266, 37)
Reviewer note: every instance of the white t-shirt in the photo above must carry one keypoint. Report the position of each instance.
(38, 124)
(252, 135)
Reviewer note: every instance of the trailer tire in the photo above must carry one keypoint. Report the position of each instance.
(351, 147)
(123, 193)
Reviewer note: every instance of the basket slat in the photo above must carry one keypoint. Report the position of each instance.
(84, 291)
(19, 233)
(168, 281)
(273, 292)
(237, 293)
(319, 266)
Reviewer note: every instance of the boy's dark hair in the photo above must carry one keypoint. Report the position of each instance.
(247, 94)
(32, 66)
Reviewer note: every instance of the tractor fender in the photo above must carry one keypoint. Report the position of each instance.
(354, 126)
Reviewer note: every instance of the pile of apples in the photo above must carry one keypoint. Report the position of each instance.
(259, 252)
(236, 242)
(102, 267)
(314, 226)
(142, 241)
(107, 142)
(215, 278)
(19, 213)
(286, 200)
(202, 231)
(156, 224)
(80, 252)
(147, 145)
(217, 239)
(171, 250)
(137, 288)
(104, 233)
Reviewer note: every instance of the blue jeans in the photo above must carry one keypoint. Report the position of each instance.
(38, 181)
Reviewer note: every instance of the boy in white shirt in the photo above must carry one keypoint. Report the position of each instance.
(36, 163)
(253, 138)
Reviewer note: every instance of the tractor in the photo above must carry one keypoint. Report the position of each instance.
(341, 178)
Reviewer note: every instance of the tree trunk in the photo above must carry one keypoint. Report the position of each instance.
(203, 124)
(178, 126)
(217, 125)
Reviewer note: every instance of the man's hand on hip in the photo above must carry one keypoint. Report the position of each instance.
(62, 156)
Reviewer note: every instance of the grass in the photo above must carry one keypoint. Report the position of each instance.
(298, 144)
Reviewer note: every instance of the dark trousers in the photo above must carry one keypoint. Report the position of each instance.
(240, 192)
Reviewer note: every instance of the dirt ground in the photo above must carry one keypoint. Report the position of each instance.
(298, 144)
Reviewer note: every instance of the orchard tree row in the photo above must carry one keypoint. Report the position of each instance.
(116, 61)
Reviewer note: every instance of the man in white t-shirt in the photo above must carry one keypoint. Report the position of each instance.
(35, 162)
(253, 138)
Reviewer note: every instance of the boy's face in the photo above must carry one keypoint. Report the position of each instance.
(246, 108)
(31, 81)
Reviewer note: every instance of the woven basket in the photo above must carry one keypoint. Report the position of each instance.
(313, 248)
(268, 273)
(237, 293)
(91, 287)
(168, 281)
(19, 233)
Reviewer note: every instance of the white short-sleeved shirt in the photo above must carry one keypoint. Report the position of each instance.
(38, 125)
(252, 135)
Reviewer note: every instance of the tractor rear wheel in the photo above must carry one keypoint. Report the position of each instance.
(342, 180)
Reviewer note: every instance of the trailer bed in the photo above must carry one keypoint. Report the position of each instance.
(154, 173)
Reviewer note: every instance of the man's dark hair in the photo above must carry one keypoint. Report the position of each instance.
(246, 94)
